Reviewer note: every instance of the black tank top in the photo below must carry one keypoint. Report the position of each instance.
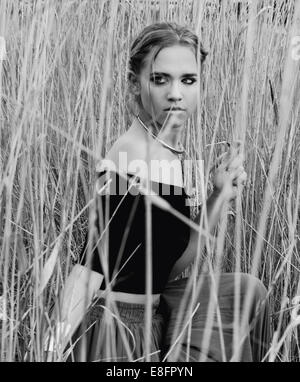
(124, 206)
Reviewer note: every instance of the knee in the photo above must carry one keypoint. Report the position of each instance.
(249, 283)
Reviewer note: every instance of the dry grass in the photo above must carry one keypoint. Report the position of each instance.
(64, 102)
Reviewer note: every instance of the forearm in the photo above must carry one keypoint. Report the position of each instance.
(211, 216)
(229, 176)
(79, 289)
(208, 220)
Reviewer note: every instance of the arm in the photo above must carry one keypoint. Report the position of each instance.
(78, 292)
(80, 288)
(229, 176)
(214, 206)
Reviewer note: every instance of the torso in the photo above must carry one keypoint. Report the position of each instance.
(135, 142)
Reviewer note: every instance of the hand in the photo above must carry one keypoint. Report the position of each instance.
(229, 174)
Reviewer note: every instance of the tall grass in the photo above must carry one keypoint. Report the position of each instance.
(64, 101)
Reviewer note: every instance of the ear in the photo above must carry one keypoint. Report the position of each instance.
(134, 84)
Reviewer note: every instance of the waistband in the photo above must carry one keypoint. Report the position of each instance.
(129, 311)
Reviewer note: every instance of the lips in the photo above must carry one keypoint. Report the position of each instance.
(174, 109)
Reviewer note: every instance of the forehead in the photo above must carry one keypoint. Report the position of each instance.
(173, 60)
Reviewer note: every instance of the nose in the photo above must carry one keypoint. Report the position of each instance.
(174, 93)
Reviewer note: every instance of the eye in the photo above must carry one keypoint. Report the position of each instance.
(192, 81)
(158, 80)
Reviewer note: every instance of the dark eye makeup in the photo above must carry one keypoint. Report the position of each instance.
(159, 80)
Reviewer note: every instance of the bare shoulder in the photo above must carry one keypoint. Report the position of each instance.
(125, 151)
(132, 147)
(129, 154)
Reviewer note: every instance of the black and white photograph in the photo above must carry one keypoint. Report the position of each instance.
(149, 183)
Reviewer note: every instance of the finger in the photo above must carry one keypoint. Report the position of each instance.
(231, 158)
(234, 162)
(234, 157)
(236, 147)
(237, 144)
(240, 179)
(219, 160)
(234, 174)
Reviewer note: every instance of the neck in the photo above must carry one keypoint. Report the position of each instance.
(172, 138)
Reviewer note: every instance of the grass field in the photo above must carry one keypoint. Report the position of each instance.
(64, 96)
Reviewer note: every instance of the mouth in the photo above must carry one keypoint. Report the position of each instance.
(174, 109)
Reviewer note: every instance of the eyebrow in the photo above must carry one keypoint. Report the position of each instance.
(168, 75)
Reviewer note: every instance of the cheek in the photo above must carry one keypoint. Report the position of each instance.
(192, 99)
(151, 95)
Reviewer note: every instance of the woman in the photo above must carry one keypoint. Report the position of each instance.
(164, 78)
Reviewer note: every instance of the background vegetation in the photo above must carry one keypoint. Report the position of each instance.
(64, 101)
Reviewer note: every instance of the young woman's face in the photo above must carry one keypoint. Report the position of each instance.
(171, 82)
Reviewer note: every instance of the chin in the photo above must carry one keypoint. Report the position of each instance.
(178, 120)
